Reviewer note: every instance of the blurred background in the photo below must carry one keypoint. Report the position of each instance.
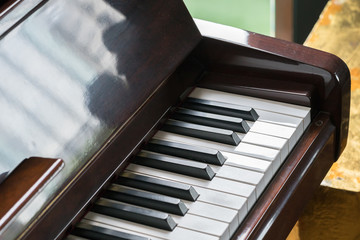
(287, 19)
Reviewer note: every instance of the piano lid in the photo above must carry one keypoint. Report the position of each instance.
(74, 71)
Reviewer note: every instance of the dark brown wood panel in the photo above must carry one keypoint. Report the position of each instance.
(20, 186)
(262, 87)
(295, 183)
(92, 68)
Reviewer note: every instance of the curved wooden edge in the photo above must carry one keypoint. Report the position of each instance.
(303, 54)
(25, 181)
(323, 78)
(281, 204)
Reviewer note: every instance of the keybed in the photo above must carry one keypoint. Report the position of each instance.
(193, 151)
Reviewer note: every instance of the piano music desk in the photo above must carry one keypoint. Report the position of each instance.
(334, 212)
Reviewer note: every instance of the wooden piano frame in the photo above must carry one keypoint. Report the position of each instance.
(260, 66)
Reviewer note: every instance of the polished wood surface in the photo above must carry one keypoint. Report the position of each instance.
(22, 184)
(130, 66)
(320, 80)
(73, 84)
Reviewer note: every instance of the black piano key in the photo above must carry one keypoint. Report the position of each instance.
(176, 165)
(227, 109)
(146, 199)
(89, 231)
(200, 154)
(140, 215)
(211, 120)
(198, 131)
(166, 187)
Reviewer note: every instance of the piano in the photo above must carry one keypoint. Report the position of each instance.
(120, 120)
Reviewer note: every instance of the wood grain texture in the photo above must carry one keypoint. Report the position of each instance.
(22, 184)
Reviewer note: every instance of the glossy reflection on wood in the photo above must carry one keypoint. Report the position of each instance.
(22, 184)
(107, 74)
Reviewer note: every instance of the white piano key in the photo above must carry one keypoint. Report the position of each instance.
(217, 184)
(255, 164)
(267, 141)
(178, 233)
(272, 129)
(250, 150)
(227, 215)
(238, 174)
(269, 154)
(99, 224)
(257, 103)
(204, 225)
(161, 135)
(275, 130)
(242, 175)
(250, 163)
(110, 231)
(280, 119)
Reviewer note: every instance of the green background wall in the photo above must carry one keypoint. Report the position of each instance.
(252, 15)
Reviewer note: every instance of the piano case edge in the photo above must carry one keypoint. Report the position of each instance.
(326, 87)
(282, 203)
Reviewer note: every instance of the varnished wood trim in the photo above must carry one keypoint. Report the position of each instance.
(284, 199)
(23, 183)
(266, 57)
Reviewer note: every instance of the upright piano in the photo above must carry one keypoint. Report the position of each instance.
(120, 120)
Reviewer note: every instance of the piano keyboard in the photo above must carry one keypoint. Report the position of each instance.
(201, 173)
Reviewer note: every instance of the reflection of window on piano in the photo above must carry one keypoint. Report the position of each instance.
(48, 68)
